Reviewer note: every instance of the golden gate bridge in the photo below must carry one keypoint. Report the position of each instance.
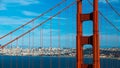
(81, 40)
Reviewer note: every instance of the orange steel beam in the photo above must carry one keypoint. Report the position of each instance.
(82, 40)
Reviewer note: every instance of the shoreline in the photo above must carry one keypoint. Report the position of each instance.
(107, 58)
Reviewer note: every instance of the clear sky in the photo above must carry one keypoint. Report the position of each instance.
(14, 13)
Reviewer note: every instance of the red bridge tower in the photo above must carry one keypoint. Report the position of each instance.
(82, 40)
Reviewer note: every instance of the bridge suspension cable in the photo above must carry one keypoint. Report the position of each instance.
(106, 18)
(59, 12)
(34, 19)
(112, 8)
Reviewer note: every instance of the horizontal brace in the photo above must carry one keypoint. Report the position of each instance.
(87, 66)
(87, 40)
(85, 17)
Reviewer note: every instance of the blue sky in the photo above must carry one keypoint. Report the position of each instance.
(14, 13)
